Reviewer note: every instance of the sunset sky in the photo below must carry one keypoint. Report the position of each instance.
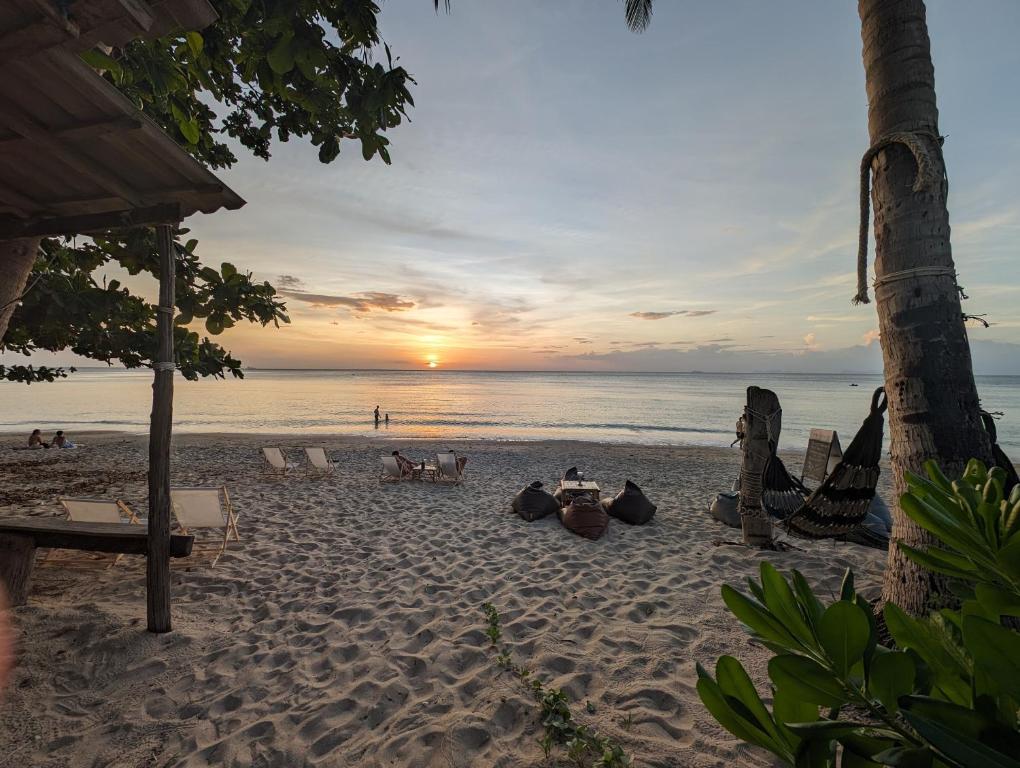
(570, 195)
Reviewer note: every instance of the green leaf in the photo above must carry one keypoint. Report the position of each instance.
(940, 561)
(931, 645)
(807, 680)
(717, 704)
(835, 729)
(844, 632)
(787, 708)
(757, 617)
(906, 757)
(735, 683)
(195, 43)
(996, 650)
(190, 130)
(812, 607)
(281, 57)
(99, 60)
(780, 600)
(957, 745)
(891, 676)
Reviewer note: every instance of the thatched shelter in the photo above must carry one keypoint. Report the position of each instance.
(76, 157)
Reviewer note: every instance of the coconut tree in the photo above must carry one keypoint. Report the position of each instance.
(934, 411)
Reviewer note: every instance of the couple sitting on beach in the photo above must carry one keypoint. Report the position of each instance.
(35, 441)
(407, 466)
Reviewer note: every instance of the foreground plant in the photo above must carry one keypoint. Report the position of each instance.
(947, 695)
(583, 745)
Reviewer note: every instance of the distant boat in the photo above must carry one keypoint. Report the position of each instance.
(852, 384)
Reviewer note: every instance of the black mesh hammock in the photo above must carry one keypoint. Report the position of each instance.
(1001, 459)
(840, 504)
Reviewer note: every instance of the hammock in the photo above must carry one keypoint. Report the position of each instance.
(840, 504)
(1001, 459)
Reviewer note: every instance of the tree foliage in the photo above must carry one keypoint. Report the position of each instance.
(267, 70)
(947, 694)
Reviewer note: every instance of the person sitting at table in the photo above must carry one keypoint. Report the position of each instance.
(406, 465)
(35, 440)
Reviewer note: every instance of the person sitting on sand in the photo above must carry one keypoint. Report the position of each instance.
(59, 441)
(406, 465)
(35, 440)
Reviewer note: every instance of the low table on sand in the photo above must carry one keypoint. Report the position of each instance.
(423, 470)
(571, 488)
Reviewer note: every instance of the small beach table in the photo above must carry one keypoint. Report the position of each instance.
(571, 488)
(424, 470)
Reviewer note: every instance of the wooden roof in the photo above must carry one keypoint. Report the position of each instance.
(76, 156)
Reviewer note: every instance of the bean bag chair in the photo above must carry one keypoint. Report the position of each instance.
(724, 509)
(534, 502)
(630, 505)
(585, 517)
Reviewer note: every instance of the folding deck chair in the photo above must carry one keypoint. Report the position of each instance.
(276, 461)
(205, 508)
(92, 511)
(319, 461)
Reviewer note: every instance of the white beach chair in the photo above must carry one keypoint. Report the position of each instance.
(449, 471)
(391, 470)
(276, 461)
(97, 511)
(205, 508)
(92, 511)
(319, 461)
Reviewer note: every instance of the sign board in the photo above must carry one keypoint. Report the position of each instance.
(823, 454)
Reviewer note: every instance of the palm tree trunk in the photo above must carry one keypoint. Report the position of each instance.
(933, 401)
(17, 258)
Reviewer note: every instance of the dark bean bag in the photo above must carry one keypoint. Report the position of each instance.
(724, 509)
(534, 502)
(585, 517)
(630, 505)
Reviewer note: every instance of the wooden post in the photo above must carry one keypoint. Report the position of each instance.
(157, 564)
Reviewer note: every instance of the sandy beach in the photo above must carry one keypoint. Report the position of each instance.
(346, 627)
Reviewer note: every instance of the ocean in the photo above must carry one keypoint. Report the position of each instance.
(665, 408)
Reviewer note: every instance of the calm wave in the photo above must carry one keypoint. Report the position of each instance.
(618, 407)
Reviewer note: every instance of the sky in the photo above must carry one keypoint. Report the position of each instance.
(569, 195)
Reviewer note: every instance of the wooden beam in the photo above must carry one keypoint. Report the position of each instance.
(157, 563)
(51, 226)
(29, 129)
(22, 205)
(141, 15)
(40, 34)
(117, 538)
(17, 556)
(74, 132)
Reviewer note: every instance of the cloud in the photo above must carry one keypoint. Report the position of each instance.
(289, 283)
(358, 302)
(809, 339)
(581, 340)
(664, 315)
(871, 336)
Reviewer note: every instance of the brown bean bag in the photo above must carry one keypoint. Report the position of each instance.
(585, 517)
(534, 502)
(630, 505)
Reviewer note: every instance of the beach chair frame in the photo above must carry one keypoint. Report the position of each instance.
(267, 464)
(87, 559)
(330, 464)
(226, 508)
(449, 470)
(392, 472)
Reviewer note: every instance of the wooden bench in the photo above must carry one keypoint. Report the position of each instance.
(19, 539)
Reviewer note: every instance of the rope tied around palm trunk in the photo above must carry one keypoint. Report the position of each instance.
(915, 142)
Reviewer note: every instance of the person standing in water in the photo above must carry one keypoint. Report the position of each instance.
(377, 415)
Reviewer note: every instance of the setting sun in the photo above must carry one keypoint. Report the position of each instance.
(433, 360)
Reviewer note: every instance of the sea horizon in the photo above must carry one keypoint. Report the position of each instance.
(619, 407)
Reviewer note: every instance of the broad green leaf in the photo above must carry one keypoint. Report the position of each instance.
(844, 631)
(757, 617)
(906, 757)
(189, 130)
(996, 650)
(810, 604)
(836, 729)
(716, 703)
(195, 43)
(891, 675)
(940, 561)
(997, 602)
(779, 599)
(807, 680)
(734, 682)
(846, 588)
(101, 61)
(949, 675)
(963, 749)
(281, 57)
(787, 708)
